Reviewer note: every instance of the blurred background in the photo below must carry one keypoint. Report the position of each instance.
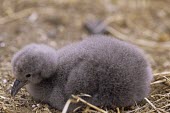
(145, 23)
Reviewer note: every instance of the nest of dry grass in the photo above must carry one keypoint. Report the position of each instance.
(60, 22)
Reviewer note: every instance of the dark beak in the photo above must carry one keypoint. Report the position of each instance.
(17, 86)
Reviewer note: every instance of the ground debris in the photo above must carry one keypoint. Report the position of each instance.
(142, 22)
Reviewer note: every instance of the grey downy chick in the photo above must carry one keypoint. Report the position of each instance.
(113, 72)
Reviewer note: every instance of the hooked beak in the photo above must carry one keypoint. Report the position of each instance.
(17, 86)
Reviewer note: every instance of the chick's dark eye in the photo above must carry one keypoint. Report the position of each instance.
(28, 75)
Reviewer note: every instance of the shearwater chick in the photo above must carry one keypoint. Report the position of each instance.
(113, 72)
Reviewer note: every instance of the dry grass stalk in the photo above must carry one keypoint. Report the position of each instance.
(78, 99)
(167, 78)
(158, 81)
(90, 105)
(153, 106)
(145, 43)
(15, 16)
(118, 110)
(162, 73)
(66, 106)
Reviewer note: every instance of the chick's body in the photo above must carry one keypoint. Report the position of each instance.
(113, 72)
